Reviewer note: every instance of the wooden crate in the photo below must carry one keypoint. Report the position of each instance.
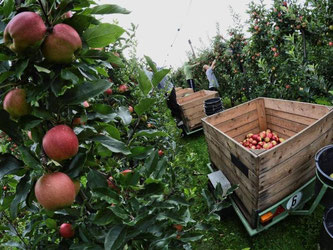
(183, 92)
(267, 176)
(192, 108)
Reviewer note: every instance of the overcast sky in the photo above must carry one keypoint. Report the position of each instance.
(159, 21)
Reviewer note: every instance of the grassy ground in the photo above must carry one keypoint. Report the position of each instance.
(295, 232)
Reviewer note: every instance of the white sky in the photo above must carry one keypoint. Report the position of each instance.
(159, 21)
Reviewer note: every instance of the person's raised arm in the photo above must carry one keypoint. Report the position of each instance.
(213, 64)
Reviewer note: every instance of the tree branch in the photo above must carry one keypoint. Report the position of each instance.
(45, 14)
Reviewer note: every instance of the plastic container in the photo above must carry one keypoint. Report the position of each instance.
(326, 234)
(213, 106)
(324, 168)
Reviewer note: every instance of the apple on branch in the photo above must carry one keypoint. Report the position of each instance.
(62, 44)
(15, 103)
(54, 191)
(24, 33)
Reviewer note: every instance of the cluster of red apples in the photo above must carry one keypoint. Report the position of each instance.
(264, 140)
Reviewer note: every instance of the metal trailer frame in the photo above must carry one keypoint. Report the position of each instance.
(293, 205)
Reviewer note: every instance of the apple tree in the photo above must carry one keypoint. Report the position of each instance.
(90, 143)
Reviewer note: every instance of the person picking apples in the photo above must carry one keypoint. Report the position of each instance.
(213, 83)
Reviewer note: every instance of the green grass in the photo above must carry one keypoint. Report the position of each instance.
(294, 232)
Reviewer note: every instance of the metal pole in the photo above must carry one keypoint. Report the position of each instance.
(189, 41)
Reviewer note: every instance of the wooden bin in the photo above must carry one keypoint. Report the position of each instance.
(182, 92)
(267, 176)
(192, 107)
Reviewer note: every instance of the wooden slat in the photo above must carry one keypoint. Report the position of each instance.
(181, 93)
(287, 124)
(244, 129)
(290, 147)
(291, 117)
(252, 178)
(195, 99)
(237, 121)
(295, 162)
(261, 114)
(314, 111)
(190, 97)
(290, 184)
(242, 191)
(231, 113)
(281, 132)
(248, 158)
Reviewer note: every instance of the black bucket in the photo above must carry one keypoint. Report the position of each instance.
(213, 106)
(324, 168)
(326, 234)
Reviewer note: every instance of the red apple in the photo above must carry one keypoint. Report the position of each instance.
(86, 104)
(160, 152)
(269, 135)
(254, 142)
(249, 135)
(108, 91)
(274, 49)
(130, 109)
(274, 143)
(54, 191)
(15, 103)
(178, 227)
(265, 146)
(267, 139)
(68, 14)
(62, 44)
(281, 140)
(125, 172)
(66, 230)
(258, 147)
(112, 184)
(77, 121)
(24, 33)
(284, 3)
(276, 54)
(253, 147)
(29, 135)
(123, 88)
(330, 43)
(60, 143)
(268, 131)
(262, 134)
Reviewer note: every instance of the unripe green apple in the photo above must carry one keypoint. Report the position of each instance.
(24, 33)
(55, 191)
(15, 103)
(61, 45)
(60, 143)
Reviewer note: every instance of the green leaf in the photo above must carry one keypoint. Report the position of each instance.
(22, 190)
(151, 64)
(102, 35)
(10, 127)
(115, 60)
(96, 180)
(51, 223)
(8, 7)
(106, 194)
(42, 69)
(28, 122)
(160, 169)
(115, 238)
(95, 54)
(9, 164)
(144, 106)
(20, 67)
(29, 159)
(108, 9)
(144, 82)
(84, 91)
(158, 76)
(103, 109)
(112, 131)
(103, 217)
(150, 133)
(150, 163)
(81, 22)
(85, 246)
(191, 237)
(76, 165)
(5, 75)
(69, 76)
(112, 144)
(124, 114)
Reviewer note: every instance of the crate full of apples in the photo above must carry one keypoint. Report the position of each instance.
(264, 140)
